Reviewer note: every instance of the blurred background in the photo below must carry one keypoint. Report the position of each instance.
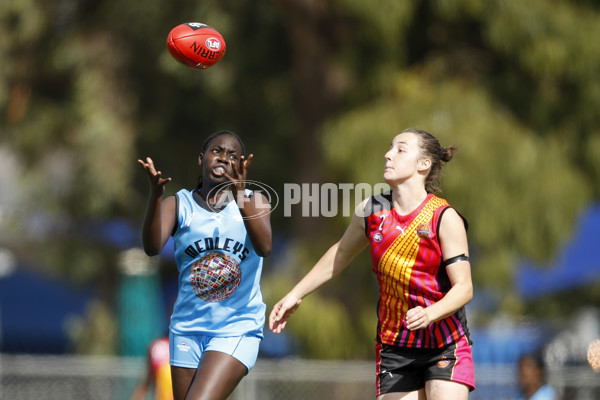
(317, 90)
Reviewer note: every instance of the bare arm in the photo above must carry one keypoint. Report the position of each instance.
(331, 263)
(160, 217)
(255, 210)
(453, 239)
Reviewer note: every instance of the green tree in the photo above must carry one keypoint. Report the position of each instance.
(496, 78)
(317, 90)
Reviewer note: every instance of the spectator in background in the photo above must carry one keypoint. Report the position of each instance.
(532, 379)
(158, 373)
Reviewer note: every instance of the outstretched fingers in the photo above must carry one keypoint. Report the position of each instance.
(245, 165)
(241, 172)
(148, 165)
(153, 175)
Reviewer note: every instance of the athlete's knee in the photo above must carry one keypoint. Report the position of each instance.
(438, 389)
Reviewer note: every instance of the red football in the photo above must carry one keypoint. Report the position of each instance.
(196, 45)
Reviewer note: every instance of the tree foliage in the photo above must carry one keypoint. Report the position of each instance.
(317, 90)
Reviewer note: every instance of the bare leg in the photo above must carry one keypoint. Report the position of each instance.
(438, 389)
(416, 395)
(216, 377)
(181, 380)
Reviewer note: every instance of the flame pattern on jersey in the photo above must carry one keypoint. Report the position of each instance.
(407, 260)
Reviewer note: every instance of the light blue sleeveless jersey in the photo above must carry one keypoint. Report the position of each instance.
(219, 273)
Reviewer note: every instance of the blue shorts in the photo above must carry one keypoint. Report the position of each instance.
(186, 351)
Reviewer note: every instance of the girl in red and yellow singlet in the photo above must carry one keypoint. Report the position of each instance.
(420, 255)
(407, 258)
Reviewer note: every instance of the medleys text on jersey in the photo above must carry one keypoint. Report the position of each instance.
(217, 243)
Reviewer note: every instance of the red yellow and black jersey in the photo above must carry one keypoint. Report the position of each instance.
(407, 260)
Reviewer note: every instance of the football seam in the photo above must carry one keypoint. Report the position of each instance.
(184, 35)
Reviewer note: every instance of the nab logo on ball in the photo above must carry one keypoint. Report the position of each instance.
(196, 45)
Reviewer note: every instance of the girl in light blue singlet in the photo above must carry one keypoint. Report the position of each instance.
(221, 232)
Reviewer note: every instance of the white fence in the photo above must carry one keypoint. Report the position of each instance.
(113, 378)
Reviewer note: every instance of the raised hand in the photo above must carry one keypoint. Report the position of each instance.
(157, 183)
(238, 175)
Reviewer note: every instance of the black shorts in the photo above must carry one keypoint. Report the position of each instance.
(402, 369)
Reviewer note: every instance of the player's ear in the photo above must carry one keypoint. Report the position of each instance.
(200, 157)
(424, 164)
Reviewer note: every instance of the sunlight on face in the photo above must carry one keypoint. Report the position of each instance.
(402, 158)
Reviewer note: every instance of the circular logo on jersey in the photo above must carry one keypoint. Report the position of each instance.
(262, 208)
(215, 277)
(423, 231)
(378, 237)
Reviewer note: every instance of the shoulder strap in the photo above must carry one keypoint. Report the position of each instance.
(375, 204)
(437, 229)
